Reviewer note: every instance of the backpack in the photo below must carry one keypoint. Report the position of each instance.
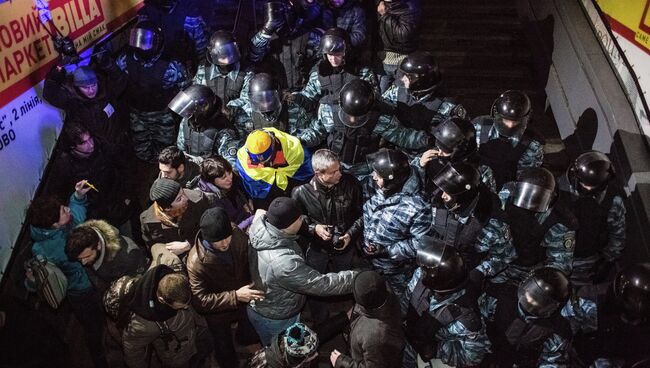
(51, 283)
(117, 298)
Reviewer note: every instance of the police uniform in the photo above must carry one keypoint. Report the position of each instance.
(218, 137)
(227, 87)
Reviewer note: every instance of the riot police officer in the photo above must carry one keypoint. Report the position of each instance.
(417, 100)
(525, 324)
(224, 71)
(468, 217)
(264, 108)
(204, 129)
(590, 191)
(506, 144)
(359, 125)
(543, 229)
(443, 319)
(455, 141)
(152, 75)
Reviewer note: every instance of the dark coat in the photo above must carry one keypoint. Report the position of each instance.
(376, 337)
(214, 280)
(399, 26)
(154, 231)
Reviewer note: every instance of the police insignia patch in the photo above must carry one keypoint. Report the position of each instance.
(568, 243)
(232, 151)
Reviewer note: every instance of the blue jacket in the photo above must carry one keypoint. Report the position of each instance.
(50, 243)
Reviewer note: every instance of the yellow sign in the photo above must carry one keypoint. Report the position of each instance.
(630, 19)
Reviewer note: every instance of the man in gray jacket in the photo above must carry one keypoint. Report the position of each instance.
(279, 269)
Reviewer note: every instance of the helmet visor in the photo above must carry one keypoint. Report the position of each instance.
(532, 197)
(332, 45)
(143, 39)
(510, 128)
(534, 301)
(225, 54)
(265, 101)
(352, 121)
(183, 104)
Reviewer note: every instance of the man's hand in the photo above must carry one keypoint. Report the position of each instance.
(245, 294)
(335, 353)
(322, 232)
(346, 241)
(79, 190)
(428, 156)
(178, 247)
(375, 251)
(381, 8)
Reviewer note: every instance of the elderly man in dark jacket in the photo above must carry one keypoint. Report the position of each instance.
(174, 216)
(376, 336)
(331, 204)
(279, 269)
(219, 278)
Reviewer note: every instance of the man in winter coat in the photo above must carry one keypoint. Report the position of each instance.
(279, 269)
(376, 336)
(50, 223)
(220, 281)
(109, 255)
(162, 316)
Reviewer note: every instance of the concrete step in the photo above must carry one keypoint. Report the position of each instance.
(480, 59)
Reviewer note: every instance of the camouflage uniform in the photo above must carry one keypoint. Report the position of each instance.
(458, 344)
(155, 130)
(532, 157)
(225, 143)
(207, 72)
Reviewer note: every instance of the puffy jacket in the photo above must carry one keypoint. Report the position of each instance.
(376, 337)
(279, 269)
(50, 243)
(315, 201)
(399, 26)
(214, 280)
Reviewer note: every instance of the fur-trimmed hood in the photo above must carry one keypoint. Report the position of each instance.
(109, 234)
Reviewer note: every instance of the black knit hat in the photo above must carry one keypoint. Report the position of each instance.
(282, 212)
(164, 191)
(215, 225)
(370, 289)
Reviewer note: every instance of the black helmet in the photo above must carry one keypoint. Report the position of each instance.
(443, 267)
(223, 49)
(457, 137)
(334, 41)
(393, 167)
(534, 190)
(544, 292)
(514, 106)
(422, 71)
(632, 291)
(357, 98)
(264, 93)
(146, 39)
(460, 181)
(195, 100)
(591, 168)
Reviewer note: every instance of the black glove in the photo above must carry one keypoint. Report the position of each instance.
(375, 251)
(275, 12)
(602, 269)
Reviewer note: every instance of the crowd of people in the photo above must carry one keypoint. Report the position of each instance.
(320, 158)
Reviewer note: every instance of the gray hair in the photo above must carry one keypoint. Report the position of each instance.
(323, 159)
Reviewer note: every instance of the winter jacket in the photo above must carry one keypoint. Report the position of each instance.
(339, 205)
(399, 26)
(118, 257)
(233, 201)
(154, 231)
(215, 275)
(171, 332)
(376, 337)
(50, 243)
(279, 269)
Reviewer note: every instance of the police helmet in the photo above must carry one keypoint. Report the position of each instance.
(513, 106)
(223, 49)
(543, 292)
(591, 168)
(195, 100)
(264, 93)
(357, 98)
(146, 39)
(422, 71)
(460, 181)
(457, 137)
(534, 189)
(392, 166)
(443, 267)
(334, 42)
(632, 291)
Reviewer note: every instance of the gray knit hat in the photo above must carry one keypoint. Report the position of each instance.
(164, 191)
(84, 76)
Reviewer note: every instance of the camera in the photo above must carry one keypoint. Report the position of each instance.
(337, 233)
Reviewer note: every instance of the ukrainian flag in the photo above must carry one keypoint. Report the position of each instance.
(259, 180)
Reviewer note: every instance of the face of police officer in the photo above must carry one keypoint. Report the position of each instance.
(378, 180)
(331, 176)
(335, 60)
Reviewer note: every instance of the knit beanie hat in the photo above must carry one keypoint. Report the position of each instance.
(282, 212)
(370, 290)
(84, 76)
(299, 340)
(215, 225)
(164, 191)
(259, 145)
